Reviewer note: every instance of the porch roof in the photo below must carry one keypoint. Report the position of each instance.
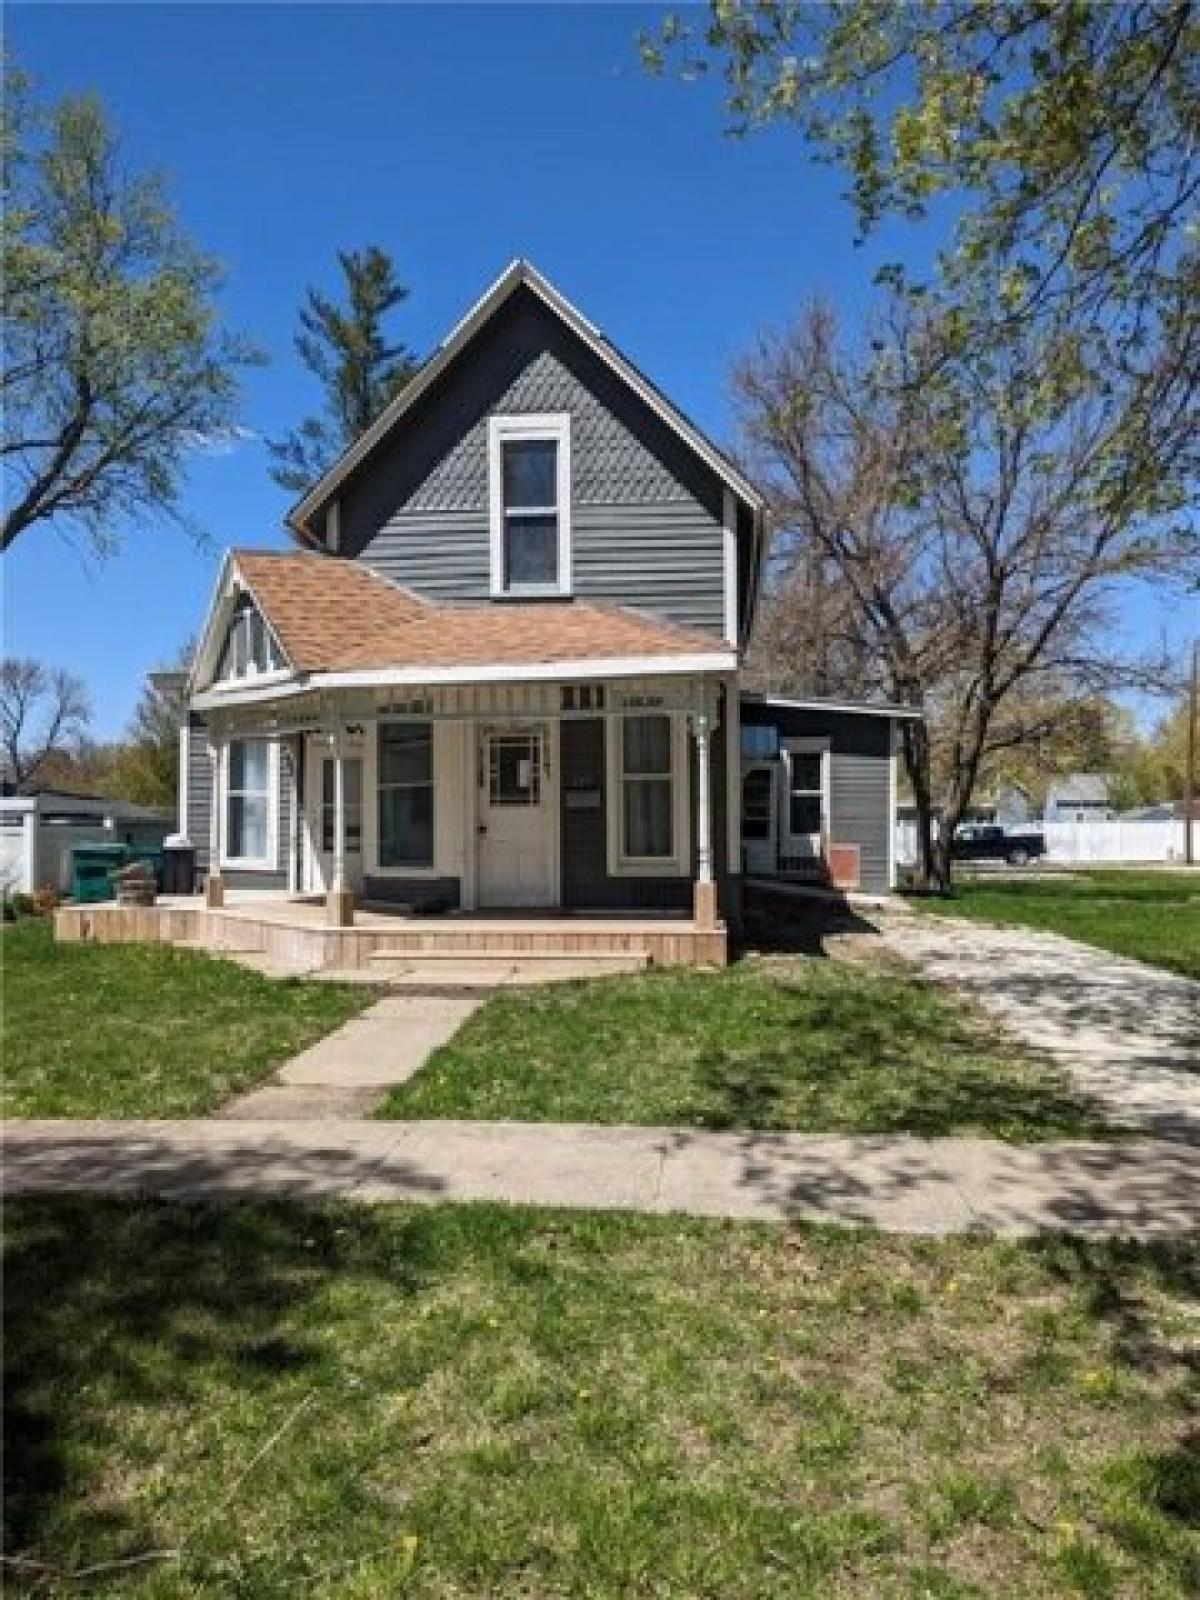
(334, 616)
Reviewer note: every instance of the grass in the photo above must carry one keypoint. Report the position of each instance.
(466, 1401)
(145, 1030)
(811, 1045)
(1152, 916)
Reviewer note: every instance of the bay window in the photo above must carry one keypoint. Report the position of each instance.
(405, 794)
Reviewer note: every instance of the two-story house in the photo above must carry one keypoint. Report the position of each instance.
(501, 669)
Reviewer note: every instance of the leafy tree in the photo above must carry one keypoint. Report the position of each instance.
(980, 536)
(144, 767)
(115, 365)
(44, 717)
(345, 347)
(1062, 132)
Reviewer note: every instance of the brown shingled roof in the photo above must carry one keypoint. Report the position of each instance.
(334, 615)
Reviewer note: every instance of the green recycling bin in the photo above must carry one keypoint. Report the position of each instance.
(92, 867)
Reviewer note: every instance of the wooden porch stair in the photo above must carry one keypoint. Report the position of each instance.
(283, 937)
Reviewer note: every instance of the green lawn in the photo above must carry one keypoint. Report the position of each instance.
(815, 1045)
(473, 1401)
(145, 1030)
(1153, 916)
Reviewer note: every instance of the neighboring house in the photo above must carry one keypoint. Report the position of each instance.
(1007, 806)
(1081, 797)
(502, 669)
(38, 830)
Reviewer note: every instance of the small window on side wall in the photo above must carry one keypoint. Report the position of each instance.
(530, 504)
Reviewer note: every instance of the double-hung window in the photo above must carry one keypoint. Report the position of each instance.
(807, 762)
(648, 820)
(405, 765)
(529, 462)
(249, 793)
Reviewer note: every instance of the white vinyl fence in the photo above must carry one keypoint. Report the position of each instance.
(1081, 842)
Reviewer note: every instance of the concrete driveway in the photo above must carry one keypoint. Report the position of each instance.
(1129, 1034)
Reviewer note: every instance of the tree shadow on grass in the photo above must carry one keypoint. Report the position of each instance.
(111, 1302)
(853, 1062)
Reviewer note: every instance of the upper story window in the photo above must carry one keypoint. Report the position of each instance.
(529, 465)
(249, 647)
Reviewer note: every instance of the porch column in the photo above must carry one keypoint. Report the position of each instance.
(340, 900)
(214, 883)
(704, 909)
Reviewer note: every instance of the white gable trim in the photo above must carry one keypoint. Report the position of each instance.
(519, 274)
(230, 582)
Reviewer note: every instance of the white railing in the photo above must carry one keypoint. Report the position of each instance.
(1081, 842)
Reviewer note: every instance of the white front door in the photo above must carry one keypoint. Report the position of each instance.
(319, 818)
(516, 854)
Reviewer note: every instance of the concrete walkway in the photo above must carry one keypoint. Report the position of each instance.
(344, 1074)
(902, 1185)
(1129, 1034)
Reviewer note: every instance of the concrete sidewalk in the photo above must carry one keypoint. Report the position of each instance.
(348, 1071)
(1128, 1033)
(902, 1185)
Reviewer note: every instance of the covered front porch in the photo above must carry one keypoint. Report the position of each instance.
(584, 815)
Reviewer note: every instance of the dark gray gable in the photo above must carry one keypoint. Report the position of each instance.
(647, 512)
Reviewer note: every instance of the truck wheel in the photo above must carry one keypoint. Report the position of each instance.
(1018, 857)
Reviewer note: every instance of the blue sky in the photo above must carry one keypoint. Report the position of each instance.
(457, 138)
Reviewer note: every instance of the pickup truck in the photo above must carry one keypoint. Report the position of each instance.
(985, 841)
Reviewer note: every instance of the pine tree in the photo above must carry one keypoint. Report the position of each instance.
(345, 347)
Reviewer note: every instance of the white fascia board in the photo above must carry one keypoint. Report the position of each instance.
(436, 677)
(533, 672)
(279, 687)
(516, 274)
(850, 707)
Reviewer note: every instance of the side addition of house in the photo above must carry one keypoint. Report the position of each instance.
(500, 669)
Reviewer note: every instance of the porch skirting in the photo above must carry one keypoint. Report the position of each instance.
(298, 934)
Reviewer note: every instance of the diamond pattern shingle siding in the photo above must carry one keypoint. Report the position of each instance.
(609, 463)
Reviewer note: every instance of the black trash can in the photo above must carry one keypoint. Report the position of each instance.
(178, 866)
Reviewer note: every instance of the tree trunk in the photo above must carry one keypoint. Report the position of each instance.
(914, 744)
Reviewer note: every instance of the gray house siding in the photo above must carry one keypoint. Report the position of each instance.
(586, 881)
(199, 810)
(859, 777)
(646, 514)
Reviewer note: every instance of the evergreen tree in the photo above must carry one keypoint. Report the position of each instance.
(346, 348)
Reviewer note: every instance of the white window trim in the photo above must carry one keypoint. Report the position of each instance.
(621, 865)
(182, 797)
(555, 425)
(730, 567)
(810, 747)
(371, 802)
(270, 861)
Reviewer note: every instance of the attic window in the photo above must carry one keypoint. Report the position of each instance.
(249, 647)
(530, 504)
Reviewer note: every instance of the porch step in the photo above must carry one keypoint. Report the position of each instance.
(493, 969)
(267, 966)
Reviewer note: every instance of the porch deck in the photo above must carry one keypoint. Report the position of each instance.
(298, 932)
